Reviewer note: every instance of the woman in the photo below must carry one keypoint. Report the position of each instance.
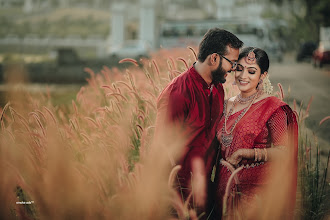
(258, 143)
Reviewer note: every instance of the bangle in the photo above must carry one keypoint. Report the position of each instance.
(266, 156)
(260, 155)
(255, 154)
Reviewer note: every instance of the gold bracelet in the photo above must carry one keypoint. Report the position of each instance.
(259, 154)
(266, 156)
(255, 154)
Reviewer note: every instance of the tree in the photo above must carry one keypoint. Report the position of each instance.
(316, 14)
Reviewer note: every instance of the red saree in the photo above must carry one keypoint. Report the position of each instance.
(268, 122)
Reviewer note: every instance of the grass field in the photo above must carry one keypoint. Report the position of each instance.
(89, 152)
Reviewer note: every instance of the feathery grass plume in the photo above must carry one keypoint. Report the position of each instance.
(25, 123)
(36, 117)
(125, 84)
(156, 67)
(131, 80)
(173, 63)
(281, 92)
(108, 87)
(308, 106)
(12, 112)
(105, 71)
(294, 105)
(129, 60)
(226, 196)
(193, 51)
(3, 112)
(42, 115)
(139, 127)
(324, 119)
(86, 138)
(184, 62)
(230, 168)
(145, 142)
(75, 107)
(51, 115)
(79, 95)
(172, 175)
(169, 65)
(91, 81)
(93, 122)
(176, 73)
(117, 95)
(11, 135)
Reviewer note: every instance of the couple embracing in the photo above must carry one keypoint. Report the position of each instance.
(246, 146)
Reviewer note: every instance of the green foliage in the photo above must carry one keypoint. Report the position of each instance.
(305, 26)
(314, 188)
(61, 27)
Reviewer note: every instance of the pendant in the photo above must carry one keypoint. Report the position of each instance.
(226, 139)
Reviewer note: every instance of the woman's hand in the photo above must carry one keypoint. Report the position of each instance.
(240, 154)
(235, 158)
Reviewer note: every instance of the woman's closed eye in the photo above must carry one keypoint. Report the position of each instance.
(239, 68)
(251, 70)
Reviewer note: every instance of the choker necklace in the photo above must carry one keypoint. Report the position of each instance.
(245, 100)
(227, 136)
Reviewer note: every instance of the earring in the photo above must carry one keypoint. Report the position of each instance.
(267, 86)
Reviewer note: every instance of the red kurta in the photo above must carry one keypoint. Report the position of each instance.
(189, 100)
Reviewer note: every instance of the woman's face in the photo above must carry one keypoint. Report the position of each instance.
(247, 77)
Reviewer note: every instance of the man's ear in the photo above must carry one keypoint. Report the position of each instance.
(213, 58)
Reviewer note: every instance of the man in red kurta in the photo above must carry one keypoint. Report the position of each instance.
(194, 101)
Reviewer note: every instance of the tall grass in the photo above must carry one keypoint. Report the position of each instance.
(313, 186)
(313, 170)
(97, 157)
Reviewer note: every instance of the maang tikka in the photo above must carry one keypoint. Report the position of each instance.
(251, 58)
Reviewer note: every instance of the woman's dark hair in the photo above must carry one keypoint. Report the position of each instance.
(215, 41)
(261, 56)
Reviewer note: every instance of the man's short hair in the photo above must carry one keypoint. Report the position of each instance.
(215, 41)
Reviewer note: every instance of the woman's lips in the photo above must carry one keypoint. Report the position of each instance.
(243, 83)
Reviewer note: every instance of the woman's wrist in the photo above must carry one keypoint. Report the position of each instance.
(247, 153)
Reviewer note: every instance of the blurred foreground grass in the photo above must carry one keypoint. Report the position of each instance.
(87, 151)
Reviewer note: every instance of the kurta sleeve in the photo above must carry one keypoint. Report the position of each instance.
(173, 104)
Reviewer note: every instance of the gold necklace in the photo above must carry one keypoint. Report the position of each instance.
(244, 100)
(227, 136)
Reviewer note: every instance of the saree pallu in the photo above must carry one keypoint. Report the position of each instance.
(261, 185)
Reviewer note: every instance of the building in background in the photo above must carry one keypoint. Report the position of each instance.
(167, 23)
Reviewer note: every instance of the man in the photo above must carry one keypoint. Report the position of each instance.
(194, 100)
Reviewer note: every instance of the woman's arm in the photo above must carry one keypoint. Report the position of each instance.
(257, 154)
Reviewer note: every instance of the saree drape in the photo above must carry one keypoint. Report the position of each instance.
(268, 123)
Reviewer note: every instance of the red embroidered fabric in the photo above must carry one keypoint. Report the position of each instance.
(269, 121)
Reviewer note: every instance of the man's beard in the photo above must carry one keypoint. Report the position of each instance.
(218, 75)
